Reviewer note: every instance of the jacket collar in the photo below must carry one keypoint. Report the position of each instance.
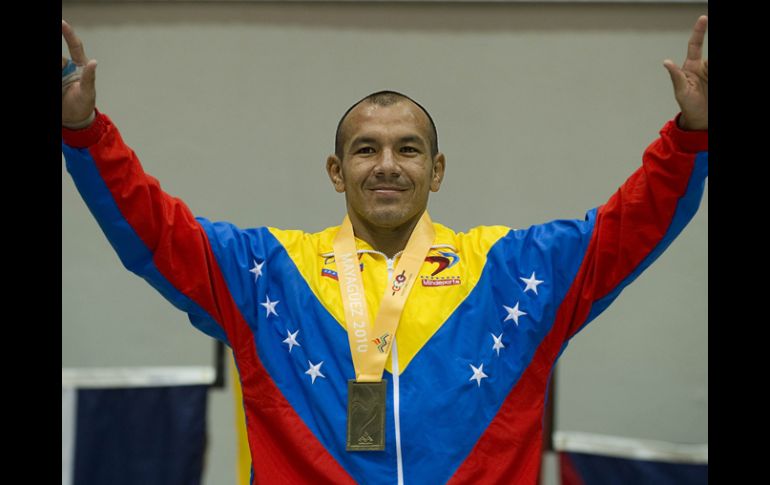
(445, 239)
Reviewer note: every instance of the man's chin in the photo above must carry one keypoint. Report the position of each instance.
(388, 219)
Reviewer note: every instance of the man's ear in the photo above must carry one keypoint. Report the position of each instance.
(439, 164)
(334, 169)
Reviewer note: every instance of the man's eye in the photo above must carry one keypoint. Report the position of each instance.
(365, 150)
(408, 149)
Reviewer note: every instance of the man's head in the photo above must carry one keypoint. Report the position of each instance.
(386, 159)
(382, 98)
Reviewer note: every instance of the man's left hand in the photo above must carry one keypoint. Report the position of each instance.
(691, 82)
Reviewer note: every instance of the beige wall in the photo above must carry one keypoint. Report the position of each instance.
(542, 112)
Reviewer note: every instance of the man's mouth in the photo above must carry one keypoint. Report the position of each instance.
(387, 190)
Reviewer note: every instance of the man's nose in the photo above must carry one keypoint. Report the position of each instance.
(388, 164)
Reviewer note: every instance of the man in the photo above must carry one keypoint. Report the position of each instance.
(364, 349)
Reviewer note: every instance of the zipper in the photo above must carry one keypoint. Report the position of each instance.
(389, 261)
(396, 396)
(394, 358)
(394, 366)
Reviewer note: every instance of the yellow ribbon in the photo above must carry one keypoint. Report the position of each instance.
(370, 345)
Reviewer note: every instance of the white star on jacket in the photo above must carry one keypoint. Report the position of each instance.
(291, 340)
(257, 270)
(314, 371)
(270, 306)
(478, 374)
(513, 313)
(498, 343)
(531, 283)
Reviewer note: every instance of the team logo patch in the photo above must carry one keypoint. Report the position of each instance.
(443, 262)
(330, 273)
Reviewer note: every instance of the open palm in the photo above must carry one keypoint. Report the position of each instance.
(78, 98)
(691, 81)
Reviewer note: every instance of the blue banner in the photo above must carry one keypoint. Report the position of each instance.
(587, 469)
(148, 436)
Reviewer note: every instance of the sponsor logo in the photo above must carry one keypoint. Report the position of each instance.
(382, 342)
(448, 281)
(443, 262)
(365, 439)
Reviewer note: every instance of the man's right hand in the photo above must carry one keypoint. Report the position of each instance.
(78, 100)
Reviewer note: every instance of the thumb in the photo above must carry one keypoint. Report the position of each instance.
(677, 76)
(88, 78)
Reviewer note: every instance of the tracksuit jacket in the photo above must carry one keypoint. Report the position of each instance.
(476, 343)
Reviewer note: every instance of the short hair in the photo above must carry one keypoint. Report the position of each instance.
(385, 98)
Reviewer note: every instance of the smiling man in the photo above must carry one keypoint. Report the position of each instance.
(390, 349)
(389, 146)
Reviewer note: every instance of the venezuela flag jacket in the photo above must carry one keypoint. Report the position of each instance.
(478, 338)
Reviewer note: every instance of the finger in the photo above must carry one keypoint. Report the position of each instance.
(63, 62)
(706, 68)
(77, 52)
(677, 75)
(695, 44)
(88, 78)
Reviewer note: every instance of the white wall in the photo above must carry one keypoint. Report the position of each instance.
(542, 112)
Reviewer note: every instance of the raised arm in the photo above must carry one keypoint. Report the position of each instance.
(155, 235)
(652, 207)
(585, 264)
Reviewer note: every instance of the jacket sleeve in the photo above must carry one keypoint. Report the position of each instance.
(625, 235)
(154, 234)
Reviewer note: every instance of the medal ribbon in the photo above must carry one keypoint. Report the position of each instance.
(370, 345)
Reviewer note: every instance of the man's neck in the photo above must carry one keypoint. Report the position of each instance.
(387, 240)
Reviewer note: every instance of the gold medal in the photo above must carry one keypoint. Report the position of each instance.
(366, 415)
(366, 393)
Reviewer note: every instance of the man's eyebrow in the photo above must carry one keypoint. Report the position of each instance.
(411, 139)
(404, 139)
(362, 139)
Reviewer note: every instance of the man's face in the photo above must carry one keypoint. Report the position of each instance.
(387, 170)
